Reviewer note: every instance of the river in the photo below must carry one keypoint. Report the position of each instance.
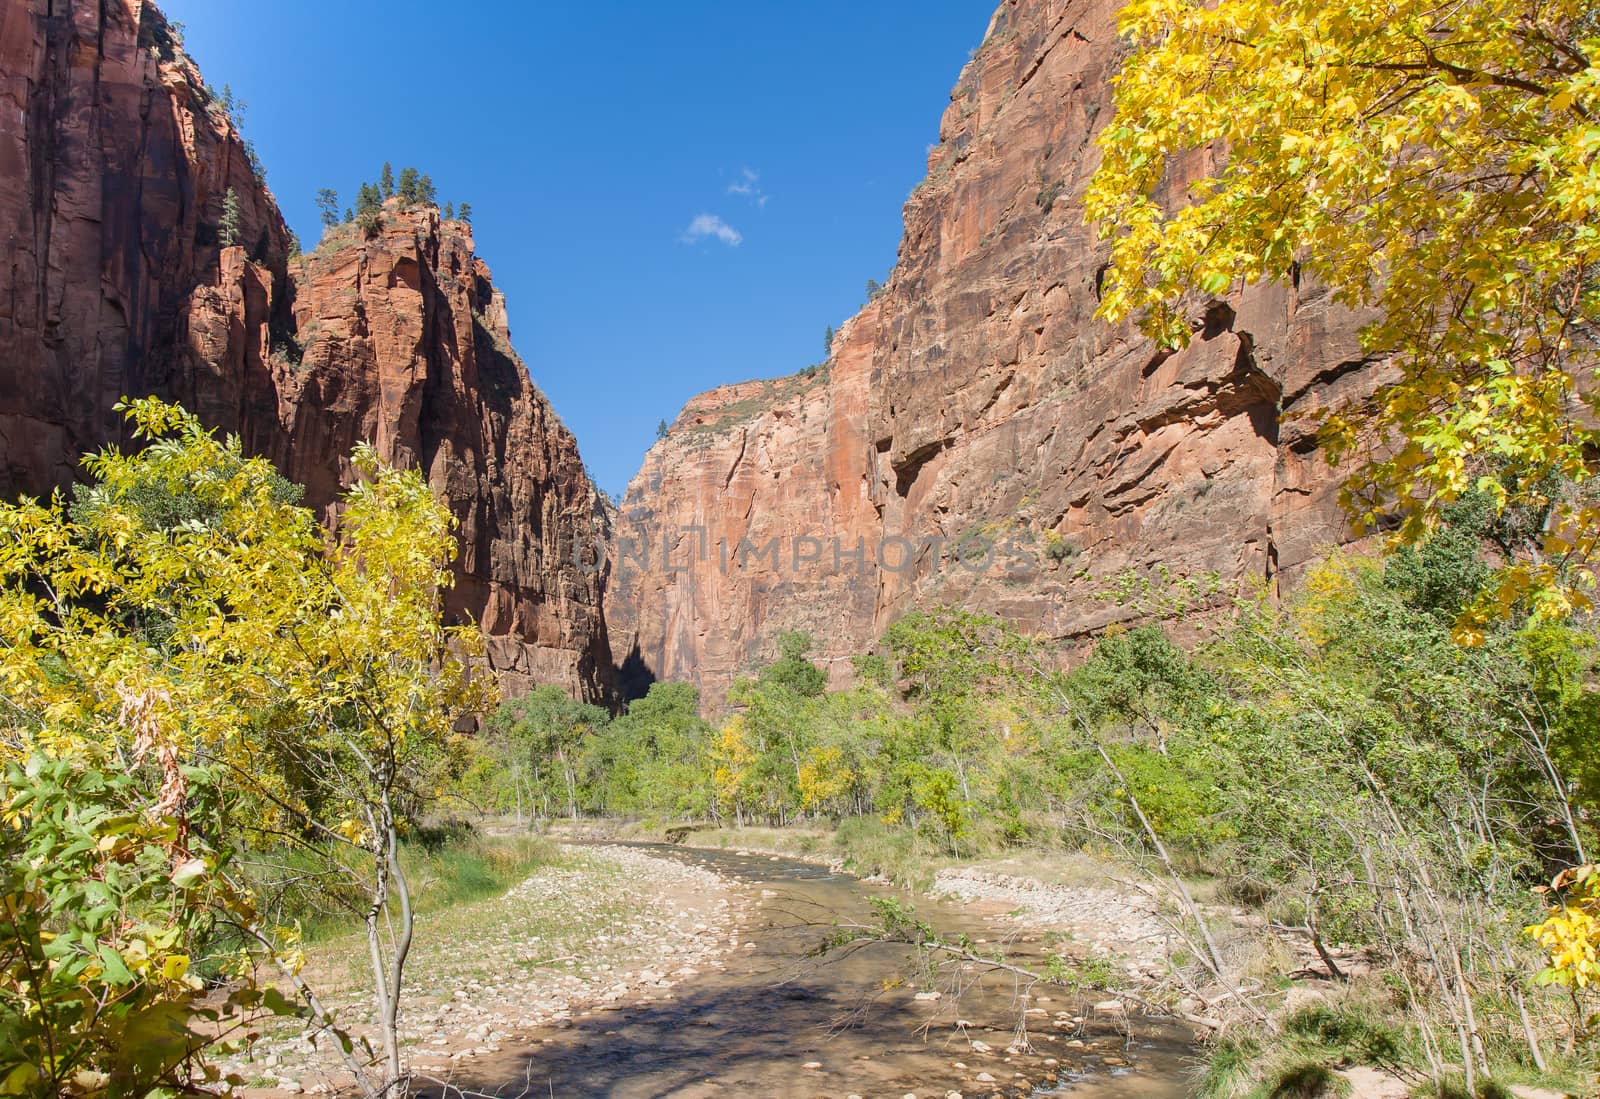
(775, 1021)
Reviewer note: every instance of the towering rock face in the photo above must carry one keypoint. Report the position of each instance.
(402, 340)
(977, 403)
(115, 167)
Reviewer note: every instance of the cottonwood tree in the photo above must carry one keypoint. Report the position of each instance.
(540, 736)
(1436, 166)
(186, 610)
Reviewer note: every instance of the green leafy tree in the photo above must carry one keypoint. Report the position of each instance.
(465, 213)
(386, 181)
(1141, 677)
(793, 671)
(663, 744)
(542, 735)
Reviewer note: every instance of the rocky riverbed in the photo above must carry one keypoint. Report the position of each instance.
(1110, 921)
(640, 973)
(601, 925)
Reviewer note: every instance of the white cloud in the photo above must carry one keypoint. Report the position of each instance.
(748, 185)
(710, 225)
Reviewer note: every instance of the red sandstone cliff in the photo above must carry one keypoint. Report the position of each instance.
(977, 396)
(114, 166)
(402, 340)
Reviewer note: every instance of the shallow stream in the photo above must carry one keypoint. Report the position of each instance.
(776, 1021)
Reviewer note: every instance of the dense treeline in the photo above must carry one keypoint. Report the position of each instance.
(961, 722)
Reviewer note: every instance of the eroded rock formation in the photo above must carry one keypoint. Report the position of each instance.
(115, 164)
(977, 401)
(402, 340)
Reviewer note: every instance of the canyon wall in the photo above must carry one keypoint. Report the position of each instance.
(977, 402)
(115, 165)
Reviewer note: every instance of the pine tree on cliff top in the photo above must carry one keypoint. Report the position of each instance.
(409, 180)
(328, 203)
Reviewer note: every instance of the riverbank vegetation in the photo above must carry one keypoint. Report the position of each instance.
(1334, 763)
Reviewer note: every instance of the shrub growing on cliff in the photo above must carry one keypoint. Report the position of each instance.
(228, 227)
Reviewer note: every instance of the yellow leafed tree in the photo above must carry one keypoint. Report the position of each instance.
(1571, 932)
(1432, 163)
(732, 759)
(183, 614)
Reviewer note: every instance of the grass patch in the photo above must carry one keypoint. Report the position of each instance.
(444, 869)
(871, 848)
(1303, 1062)
(464, 872)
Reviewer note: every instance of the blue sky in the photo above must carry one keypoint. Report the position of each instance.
(672, 195)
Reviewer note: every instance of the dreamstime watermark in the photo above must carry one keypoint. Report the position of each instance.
(690, 549)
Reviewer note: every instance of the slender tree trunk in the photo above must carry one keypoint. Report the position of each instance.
(572, 787)
(402, 950)
(383, 1001)
(1218, 967)
(1528, 1032)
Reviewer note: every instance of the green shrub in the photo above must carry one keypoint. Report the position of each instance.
(103, 899)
